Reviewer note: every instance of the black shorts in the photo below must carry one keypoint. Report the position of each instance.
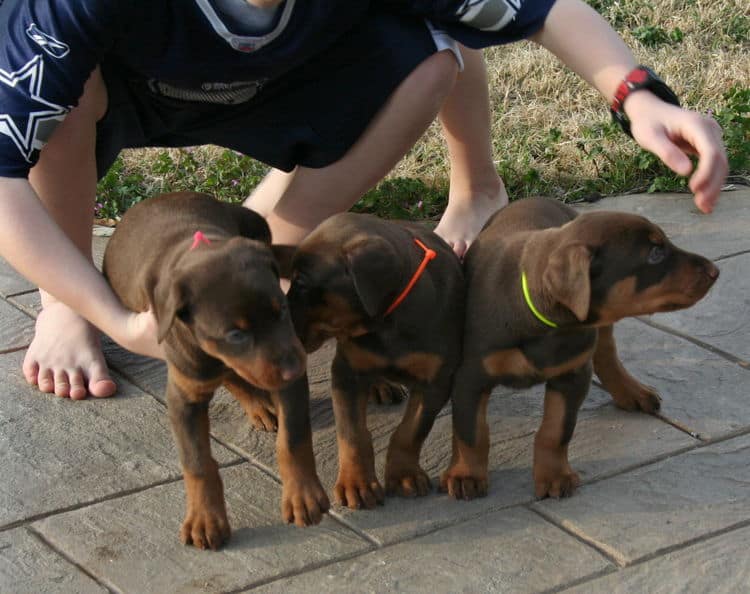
(310, 116)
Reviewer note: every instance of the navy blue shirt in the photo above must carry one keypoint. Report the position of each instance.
(49, 48)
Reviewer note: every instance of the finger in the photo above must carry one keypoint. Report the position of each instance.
(657, 141)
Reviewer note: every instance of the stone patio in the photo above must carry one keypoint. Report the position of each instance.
(91, 497)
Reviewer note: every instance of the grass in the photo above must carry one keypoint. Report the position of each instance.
(551, 133)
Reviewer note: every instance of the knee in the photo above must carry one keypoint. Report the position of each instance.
(434, 78)
(93, 102)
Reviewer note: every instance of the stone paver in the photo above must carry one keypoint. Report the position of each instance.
(664, 504)
(11, 282)
(490, 554)
(132, 542)
(718, 565)
(16, 329)
(27, 566)
(56, 453)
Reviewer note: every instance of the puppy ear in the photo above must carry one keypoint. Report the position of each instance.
(284, 254)
(169, 302)
(566, 277)
(254, 226)
(371, 263)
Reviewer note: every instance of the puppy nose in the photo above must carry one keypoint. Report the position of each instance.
(712, 271)
(290, 366)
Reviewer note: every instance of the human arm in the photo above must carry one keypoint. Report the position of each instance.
(35, 246)
(602, 59)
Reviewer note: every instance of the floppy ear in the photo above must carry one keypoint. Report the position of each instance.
(169, 301)
(284, 254)
(254, 226)
(566, 277)
(372, 265)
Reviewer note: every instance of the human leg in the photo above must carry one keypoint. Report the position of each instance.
(476, 190)
(65, 356)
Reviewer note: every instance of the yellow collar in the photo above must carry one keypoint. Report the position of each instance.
(534, 310)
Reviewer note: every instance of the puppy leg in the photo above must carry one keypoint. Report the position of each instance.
(466, 476)
(553, 475)
(403, 475)
(356, 485)
(205, 524)
(256, 403)
(627, 392)
(303, 499)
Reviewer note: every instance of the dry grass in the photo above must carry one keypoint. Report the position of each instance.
(546, 120)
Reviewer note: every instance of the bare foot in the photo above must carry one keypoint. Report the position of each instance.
(465, 216)
(65, 356)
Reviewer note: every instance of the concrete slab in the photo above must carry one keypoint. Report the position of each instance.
(28, 566)
(10, 281)
(16, 328)
(721, 319)
(509, 551)
(132, 542)
(718, 565)
(700, 390)
(664, 505)
(56, 453)
(31, 303)
(723, 232)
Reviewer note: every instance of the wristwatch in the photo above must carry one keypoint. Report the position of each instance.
(641, 77)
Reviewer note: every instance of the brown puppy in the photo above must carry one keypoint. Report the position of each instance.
(348, 277)
(583, 273)
(205, 269)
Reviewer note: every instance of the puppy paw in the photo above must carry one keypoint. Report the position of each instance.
(205, 528)
(357, 492)
(385, 393)
(560, 485)
(637, 396)
(463, 485)
(304, 503)
(407, 482)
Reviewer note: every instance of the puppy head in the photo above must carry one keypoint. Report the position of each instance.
(343, 280)
(226, 299)
(606, 266)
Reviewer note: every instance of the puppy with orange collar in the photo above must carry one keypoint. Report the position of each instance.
(392, 295)
(544, 287)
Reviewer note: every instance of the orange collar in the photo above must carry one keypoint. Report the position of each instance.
(428, 255)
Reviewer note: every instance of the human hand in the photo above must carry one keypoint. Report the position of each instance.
(139, 335)
(673, 133)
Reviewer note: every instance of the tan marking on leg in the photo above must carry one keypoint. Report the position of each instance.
(553, 475)
(574, 363)
(403, 475)
(423, 366)
(511, 362)
(363, 360)
(206, 524)
(357, 485)
(193, 390)
(627, 392)
(466, 477)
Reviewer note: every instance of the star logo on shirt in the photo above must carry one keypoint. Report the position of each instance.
(29, 131)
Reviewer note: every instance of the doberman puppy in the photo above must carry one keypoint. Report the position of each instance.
(392, 295)
(544, 287)
(206, 270)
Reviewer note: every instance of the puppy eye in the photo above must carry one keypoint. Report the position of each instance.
(236, 336)
(656, 254)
